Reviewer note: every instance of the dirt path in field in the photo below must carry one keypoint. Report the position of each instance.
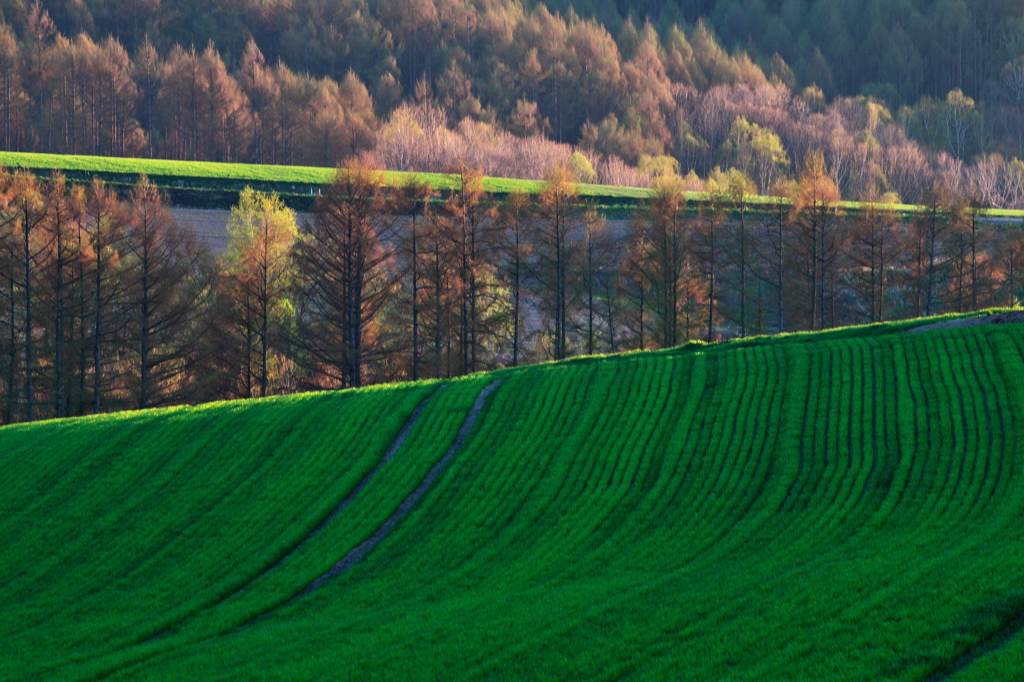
(396, 445)
(994, 642)
(998, 318)
(360, 551)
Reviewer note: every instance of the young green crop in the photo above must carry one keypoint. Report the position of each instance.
(841, 505)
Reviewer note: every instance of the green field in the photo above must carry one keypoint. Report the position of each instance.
(841, 505)
(257, 173)
(212, 177)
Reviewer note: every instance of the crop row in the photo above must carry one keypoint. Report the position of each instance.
(173, 529)
(750, 503)
(839, 508)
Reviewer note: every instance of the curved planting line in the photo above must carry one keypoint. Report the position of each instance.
(360, 551)
(994, 454)
(802, 372)
(400, 439)
(752, 479)
(870, 434)
(396, 445)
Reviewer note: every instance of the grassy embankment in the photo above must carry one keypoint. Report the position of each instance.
(210, 175)
(843, 505)
(199, 177)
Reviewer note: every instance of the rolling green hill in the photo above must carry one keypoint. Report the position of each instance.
(842, 505)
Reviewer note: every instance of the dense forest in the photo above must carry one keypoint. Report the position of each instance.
(106, 303)
(894, 94)
(898, 51)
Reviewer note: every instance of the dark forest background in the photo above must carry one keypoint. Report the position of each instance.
(900, 50)
(895, 94)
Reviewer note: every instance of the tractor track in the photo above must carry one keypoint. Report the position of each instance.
(359, 552)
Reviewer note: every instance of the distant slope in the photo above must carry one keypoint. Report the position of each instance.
(285, 179)
(205, 184)
(843, 505)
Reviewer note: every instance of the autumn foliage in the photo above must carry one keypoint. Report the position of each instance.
(107, 303)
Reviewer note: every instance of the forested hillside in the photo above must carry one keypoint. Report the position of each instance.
(898, 51)
(896, 95)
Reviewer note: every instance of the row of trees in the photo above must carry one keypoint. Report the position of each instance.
(108, 304)
(898, 52)
(402, 283)
(102, 303)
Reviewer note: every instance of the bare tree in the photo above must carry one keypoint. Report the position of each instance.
(414, 200)
(10, 276)
(29, 207)
(466, 221)
(661, 242)
(1010, 250)
(708, 249)
(103, 223)
(165, 285)
(930, 229)
(515, 221)
(874, 250)
(346, 276)
(595, 268)
(556, 247)
(971, 212)
(772, 250)
(813, 205)
(739, 247)
(63, 210)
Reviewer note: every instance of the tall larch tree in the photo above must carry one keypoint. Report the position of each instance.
(166, 284)
(347, 275)
(813, 203)
(29, 207)
(63, 205)
(104, 224)
(555, 250)
(466, 222)
(514, 222)
(662, 244)
(262, 231)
